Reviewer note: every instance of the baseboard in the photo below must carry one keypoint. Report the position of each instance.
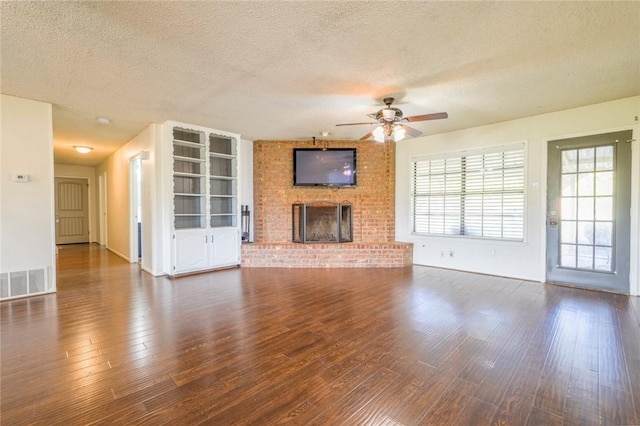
(117, 253)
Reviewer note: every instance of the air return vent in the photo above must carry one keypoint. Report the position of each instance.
(23, 283)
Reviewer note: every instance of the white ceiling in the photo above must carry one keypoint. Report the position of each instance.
(290, 70)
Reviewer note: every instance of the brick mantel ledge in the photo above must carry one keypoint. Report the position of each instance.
(345, 255)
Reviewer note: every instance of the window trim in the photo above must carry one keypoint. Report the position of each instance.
(521, 145)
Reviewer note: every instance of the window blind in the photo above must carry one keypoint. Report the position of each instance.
(477, 194)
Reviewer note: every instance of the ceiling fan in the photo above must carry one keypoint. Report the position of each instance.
(390, 123)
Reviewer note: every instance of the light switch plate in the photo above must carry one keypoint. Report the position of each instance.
(20, 178)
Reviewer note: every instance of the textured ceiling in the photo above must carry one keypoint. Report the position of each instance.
(290, 70)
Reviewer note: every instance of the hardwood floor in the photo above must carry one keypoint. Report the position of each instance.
(402, 346)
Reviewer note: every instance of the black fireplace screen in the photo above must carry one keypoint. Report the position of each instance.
(322, 222)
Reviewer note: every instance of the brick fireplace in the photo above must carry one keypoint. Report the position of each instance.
(372, 202)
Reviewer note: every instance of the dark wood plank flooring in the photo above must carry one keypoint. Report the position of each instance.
(407, 346)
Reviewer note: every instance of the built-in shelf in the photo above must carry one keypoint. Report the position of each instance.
(205, 212)
(189, 178)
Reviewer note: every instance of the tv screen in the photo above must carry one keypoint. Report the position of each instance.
(324, 167)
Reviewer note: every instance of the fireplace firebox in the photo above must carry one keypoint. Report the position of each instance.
(322, 222)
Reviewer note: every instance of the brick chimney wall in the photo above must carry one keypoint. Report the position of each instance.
(373, 199)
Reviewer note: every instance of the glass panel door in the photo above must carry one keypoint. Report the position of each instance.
(586, 207)
(588, 201)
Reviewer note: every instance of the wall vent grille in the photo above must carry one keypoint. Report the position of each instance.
(24, 283)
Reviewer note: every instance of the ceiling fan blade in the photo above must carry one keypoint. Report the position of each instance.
(367, 136)
(357, 124)
(411, 131)
(425, 117)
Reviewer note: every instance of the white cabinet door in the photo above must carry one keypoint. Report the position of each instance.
(191, 251)
(225, 247)
(195, 250)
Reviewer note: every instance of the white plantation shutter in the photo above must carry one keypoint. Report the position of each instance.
(477, 194)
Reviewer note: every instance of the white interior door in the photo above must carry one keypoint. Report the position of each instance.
(102, 208)
(588, 211)
(72, 211)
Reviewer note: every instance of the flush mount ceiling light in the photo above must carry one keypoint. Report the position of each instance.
(103, 120)
(83, 149)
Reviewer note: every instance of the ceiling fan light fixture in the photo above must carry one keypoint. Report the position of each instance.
(83, 149)
(390, 121)
(388, 114)
(399, 133)
(378, 134)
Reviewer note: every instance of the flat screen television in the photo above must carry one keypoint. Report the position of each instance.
(324, 167)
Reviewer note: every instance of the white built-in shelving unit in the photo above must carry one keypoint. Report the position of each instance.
(205, 221)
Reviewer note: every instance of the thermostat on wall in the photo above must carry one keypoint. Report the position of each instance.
(21, 178)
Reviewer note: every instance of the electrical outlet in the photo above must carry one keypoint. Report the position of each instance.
(450, 253)
(441, 253)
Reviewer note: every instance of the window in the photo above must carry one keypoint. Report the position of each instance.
(477, 194)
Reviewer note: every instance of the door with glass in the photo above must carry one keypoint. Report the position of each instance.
(588, 211)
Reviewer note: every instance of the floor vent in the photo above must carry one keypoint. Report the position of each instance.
(23, 283)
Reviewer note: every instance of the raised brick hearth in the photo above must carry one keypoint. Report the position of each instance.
(346, 255)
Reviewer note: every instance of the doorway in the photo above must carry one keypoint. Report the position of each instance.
(135, 184)
(72, 210)
(588, 211)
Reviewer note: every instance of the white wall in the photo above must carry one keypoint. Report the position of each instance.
(27, 228)
(89, 173)
(527, 259)
(116, 167)
(246, 179)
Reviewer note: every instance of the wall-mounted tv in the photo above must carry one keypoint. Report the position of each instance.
(324, 167)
